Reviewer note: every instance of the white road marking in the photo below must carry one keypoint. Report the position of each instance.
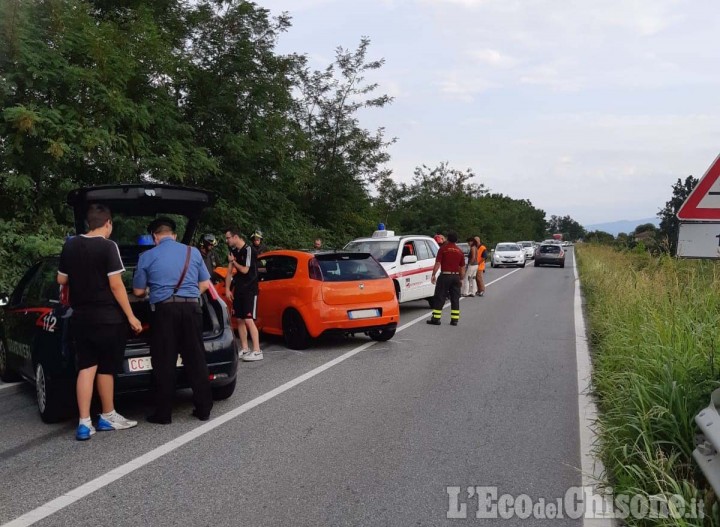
(591, 466)
(90, 487)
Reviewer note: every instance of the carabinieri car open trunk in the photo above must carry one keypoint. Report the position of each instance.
(35, 343)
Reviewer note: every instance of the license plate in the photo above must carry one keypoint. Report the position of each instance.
(145, 364)
(363, 313)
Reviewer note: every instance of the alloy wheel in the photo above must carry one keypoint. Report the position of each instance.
(40, 387)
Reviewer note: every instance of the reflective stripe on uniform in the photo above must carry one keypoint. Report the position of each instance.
(437, 313)
(455, 314)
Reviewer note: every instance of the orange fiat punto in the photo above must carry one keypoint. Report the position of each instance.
(304, 295)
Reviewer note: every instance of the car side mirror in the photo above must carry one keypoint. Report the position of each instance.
(410, 259)
(4, 299)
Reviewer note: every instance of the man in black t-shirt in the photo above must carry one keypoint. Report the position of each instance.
(242, 290)
(90, 265)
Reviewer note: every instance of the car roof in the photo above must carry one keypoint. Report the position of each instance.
(392, 238)
(307, 255)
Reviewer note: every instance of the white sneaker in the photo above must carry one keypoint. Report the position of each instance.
(242, 353)
(114, 421)
(253, 356)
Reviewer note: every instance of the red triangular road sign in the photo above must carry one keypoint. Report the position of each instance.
(703, 203)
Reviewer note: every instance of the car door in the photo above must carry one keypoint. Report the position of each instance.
(18, 334)
(426, 262)
(409, 280)
(276, 290)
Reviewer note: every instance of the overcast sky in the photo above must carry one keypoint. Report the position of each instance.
(587, 108)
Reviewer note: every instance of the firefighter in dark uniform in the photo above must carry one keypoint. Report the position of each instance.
(256, 238)
(176, 276)
(207, 250)
(450, 261)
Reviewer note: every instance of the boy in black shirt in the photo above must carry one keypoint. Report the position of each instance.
(90, 265)
(243, 291)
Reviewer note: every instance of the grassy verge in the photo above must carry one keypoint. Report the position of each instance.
(653, 326)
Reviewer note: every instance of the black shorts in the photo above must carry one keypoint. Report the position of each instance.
(101, 345)
(245, 305)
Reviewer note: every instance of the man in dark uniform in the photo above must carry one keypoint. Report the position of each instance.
(256, 238)
(176, 276)
(242, 291)
(450, 261)
(208, 242)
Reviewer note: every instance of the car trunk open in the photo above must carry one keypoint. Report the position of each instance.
(143, 201)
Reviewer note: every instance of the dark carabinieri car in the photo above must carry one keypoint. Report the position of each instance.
(34, 342)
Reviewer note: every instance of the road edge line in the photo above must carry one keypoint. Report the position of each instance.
(591, 466)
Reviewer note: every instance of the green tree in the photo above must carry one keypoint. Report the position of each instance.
(669, 223)
(345, 160)
(85, 98)
(565, 225)
(599, 237)
(647, 236)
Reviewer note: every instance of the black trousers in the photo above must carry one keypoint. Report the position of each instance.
(447, 284)
(177, 328)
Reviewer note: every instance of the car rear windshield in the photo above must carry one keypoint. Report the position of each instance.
(130, 230)
(382, 250)
(549, 249)
(349, 267)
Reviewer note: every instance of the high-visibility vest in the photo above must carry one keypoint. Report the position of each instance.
(481, 260)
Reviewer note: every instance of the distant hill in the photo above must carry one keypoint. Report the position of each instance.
(616, 227)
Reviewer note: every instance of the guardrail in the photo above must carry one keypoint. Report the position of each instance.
(706, 453)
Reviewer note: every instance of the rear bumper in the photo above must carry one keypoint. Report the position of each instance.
(363, 329)
(549, 261)
(322, 319)
(221, 356)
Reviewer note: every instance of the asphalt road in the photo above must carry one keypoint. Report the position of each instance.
(373, 440)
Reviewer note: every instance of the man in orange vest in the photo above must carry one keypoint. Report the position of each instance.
(482, 255)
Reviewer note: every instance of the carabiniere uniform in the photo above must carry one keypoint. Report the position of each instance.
(452, 260)
(176, 324)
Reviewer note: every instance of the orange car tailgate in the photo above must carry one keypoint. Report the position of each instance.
(360, 292)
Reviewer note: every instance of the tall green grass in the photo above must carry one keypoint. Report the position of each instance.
(653, 329)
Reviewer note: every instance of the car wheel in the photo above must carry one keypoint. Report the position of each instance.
(562, 264)
(430, 301)
(522, 265)
(220, 393)
(52, 401)
(5, 374)
(295, 332)
(537, 264)
(381, 335)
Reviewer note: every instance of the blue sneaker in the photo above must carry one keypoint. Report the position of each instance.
(114, 421)
(84, 432)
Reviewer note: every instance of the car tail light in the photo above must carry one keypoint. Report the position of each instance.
(314, 270)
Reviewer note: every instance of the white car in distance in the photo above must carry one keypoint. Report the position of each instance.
(529, 248)
(508, 253)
